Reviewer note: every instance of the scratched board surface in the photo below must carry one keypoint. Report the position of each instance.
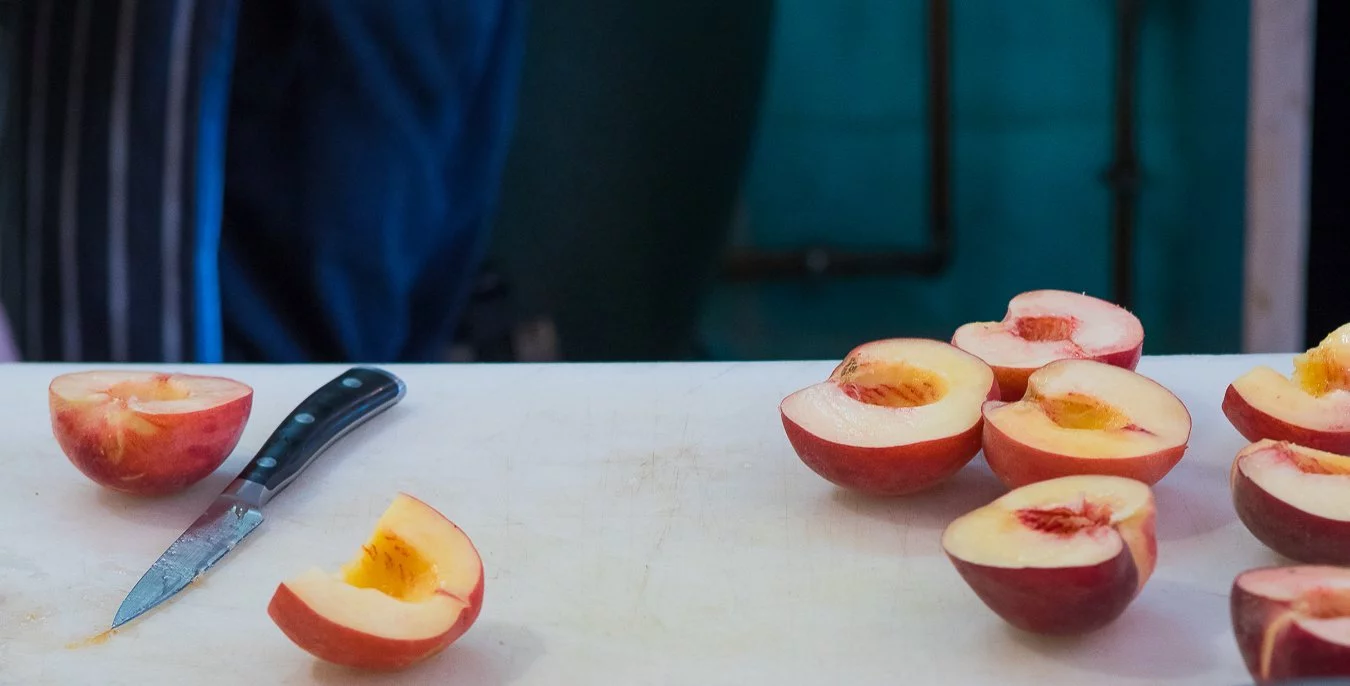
(639, 524)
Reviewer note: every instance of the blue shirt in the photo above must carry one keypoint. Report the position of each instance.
(272, 181)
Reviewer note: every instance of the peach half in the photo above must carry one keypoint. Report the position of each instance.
(1065, 556)
(897, 416)
(1312, 408)
(1086, 417)
(147, 433)
(1292, 622)
(1295, 500)
(1042, 326)
(415, 588)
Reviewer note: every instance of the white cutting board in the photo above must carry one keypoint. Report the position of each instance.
(640, 524)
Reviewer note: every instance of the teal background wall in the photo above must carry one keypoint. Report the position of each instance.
(839, 157)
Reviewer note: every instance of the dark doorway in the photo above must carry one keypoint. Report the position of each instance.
(1329, 202)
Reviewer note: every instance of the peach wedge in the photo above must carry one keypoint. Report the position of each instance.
(1295, 500)
(415, 588)
(1086, 417)
(147, 433)
(1312, 408)
(1047, 325)
(1064, 556)
(1293, 622)
(897, 416)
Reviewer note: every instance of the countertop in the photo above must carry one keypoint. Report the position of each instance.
(639, 524)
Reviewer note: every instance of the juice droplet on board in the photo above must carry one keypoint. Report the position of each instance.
(97, 639)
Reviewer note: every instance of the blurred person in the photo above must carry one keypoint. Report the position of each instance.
(254, 180)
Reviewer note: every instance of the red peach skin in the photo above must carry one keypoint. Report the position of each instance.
(897, 470)
(1017, 464)
(1255, 425)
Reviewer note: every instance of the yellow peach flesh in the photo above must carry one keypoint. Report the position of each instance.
(1326, 368)
(410, 581)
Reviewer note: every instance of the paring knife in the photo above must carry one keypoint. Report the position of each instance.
(325, 416)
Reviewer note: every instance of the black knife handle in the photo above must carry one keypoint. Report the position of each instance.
(317, 422)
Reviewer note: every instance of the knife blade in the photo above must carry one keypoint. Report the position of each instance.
(328, 414)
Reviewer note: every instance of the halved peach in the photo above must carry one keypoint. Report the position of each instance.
(1047, 325)
(1295, 500)
(1292, 622)
(897, 416)
(144, 432)
(415, 588)
(1086, 417)
(1064, 556)
(1312, 408)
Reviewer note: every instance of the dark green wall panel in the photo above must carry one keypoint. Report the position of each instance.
(840, 158)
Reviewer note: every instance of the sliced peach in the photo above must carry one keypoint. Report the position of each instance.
(1086, 417)
(1292, 622)
(1311, 408)
(415, 588)
(1064, 556)
(1047, 325)
(897, 416)
(1295, 500)
(147, 433)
